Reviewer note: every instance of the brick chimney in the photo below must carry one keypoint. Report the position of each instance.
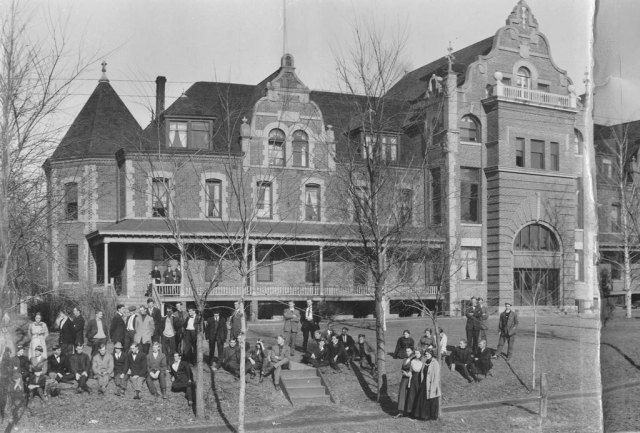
(160, 82)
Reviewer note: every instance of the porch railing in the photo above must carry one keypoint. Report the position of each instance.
(169, 290)
(535, 96)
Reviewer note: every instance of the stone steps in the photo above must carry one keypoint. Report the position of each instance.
(304, 385)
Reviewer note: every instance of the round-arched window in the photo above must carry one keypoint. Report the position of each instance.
(524, 78)
(469, 129)
(276, 147)
(535, 237)
(578, 142)
(300, 149)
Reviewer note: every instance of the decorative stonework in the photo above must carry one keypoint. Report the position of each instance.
(522, 18)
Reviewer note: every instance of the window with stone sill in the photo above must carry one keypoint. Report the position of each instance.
(469, 262)
(72, 265)
(312, 202)
(160, 196)
(277, 148)
(71, 200)
(264, 205)
(469, 129)
(189, 134)
(382, 146)
(300, 149)
(537, 154)
(213, 194)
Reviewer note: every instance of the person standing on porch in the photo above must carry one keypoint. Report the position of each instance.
(168, 275)
(177, 275)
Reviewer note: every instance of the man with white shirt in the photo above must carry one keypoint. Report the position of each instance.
(131, 328)
(136, 369)
(158, 367)
(96, 333)
(169, 325)
(190, 337)
(310, 323)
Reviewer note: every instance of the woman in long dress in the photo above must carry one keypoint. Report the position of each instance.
(38, 332)
(414, 382)
(404, 381)
(428, 403)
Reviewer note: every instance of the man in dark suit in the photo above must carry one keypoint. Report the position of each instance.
(366, 353)
(118, 328)
(57, 370)
(277, 357)
(80, 367)
(96, 333)
(310, 322)
(349, 345)
(130, 334)
(157, 364)
(190, 334)
(474, 323)
(119, 369)
(182, 378)
(507, 330)
(482, 359)
(156, 315)
(78, 326)
(230, 359)
(136, 369)
(216, 334)
(236, 321)
(337, 354)
(462, 360)
(67, 337)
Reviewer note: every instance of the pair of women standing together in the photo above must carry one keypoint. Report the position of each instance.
(419, 393)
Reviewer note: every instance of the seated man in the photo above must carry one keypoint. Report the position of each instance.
(22, 366)
(277, 357)
(426, 342)
(57, 366)
(136, 369)
(119, 371)
(39, 361)
(319, 356)
(80, 367)
(337, 354)
(365, 353)
(37, 383)
(403, 343)
(482, 359)
(230, 359)
(255, 358)
(348, 344)
(102, 365)
(182, 378)
(158, 369)
(461, 359)
(312, 347)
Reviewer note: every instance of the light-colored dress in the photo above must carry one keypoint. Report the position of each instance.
(38, 332)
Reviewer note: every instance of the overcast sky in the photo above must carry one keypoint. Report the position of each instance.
(241, 41)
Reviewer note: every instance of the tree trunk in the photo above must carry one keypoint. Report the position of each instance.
(380, 343)
(535, 338)
(200, 372)
(243, 385)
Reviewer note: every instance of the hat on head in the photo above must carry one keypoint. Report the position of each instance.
(39, 348)
(507, 303)
(37, 369)
(132, 308)
(118, 345)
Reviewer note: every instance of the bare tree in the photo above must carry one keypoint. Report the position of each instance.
(37, 75)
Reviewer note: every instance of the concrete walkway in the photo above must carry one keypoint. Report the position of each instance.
(305, 416)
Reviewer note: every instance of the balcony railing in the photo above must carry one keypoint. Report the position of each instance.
(169, 290)
(536, 96)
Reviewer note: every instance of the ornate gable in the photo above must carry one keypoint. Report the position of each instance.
(287, 82)
(522, 18)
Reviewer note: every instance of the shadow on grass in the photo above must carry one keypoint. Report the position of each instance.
(518, 406)
(627, 358)
(18, 406)
(516, 375)
(218, 405)
(386, 404)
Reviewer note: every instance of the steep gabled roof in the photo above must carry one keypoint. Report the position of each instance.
(415, 83)
(103, 126)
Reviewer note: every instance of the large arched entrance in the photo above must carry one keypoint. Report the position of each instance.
(537, 261)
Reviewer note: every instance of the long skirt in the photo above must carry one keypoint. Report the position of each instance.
(402, 393)
(426, 408)
(412, 392)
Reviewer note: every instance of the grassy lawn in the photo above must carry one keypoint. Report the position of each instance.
(567, 352)
(620, 360)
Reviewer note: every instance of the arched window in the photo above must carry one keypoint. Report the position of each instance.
(276, 147)
(578, 142)
(524, 78)
(469, 129)
(535, 237)
(300, 149)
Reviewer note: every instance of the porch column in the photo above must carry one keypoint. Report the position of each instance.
(106, 264)
(321, 271)
(182, 291)
(253, 276)
(254, 310)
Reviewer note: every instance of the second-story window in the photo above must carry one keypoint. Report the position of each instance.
(579, 204)
(72, 263)
(312, 202)
(264, 203)
(436, 196)
(389, 147)
(606, 168)
(469, 130)
(577, 142)
(360, 203)
(555, 156)
(615, 218)
(543, 88)
(386, 146)
(519, 152)
(160, 196)
(71, 201)
(469, 195)
(406, 206)
(276, 148)
(213, 191)
(537, 154)
(192, 134)
(300, 149)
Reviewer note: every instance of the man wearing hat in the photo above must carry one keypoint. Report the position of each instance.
(102, 366)
(119, 369)
(507, 330)
(216, 334)
(131, 327)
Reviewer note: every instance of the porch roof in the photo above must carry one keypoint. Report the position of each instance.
(156, 230)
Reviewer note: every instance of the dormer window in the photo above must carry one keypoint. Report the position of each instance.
(383, 144)
(524, 78)
(276, 148)
(469, 130)
(189, 134)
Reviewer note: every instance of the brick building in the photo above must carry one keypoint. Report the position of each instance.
(504, 201)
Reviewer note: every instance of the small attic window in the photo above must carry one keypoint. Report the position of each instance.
(189, 134)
